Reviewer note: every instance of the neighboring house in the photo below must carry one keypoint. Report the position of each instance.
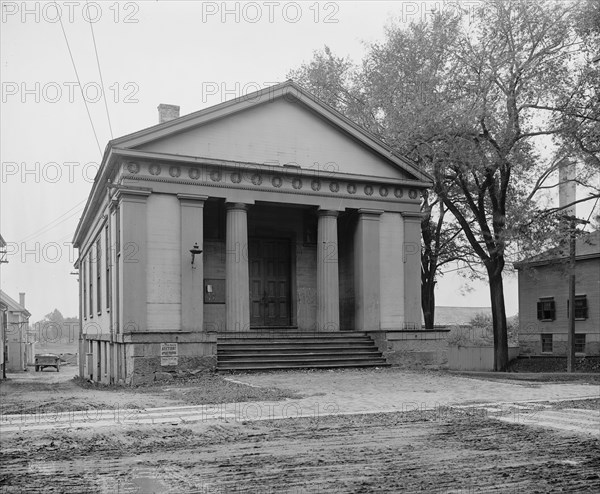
(2, 251)
(544, 300)
(19, 348)
(3, 322)
(268, 211)
(3, 316)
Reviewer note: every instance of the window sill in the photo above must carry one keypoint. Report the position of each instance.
(546, 320)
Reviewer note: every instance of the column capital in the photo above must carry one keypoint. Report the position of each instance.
(328, 212)
(192, 199)
(131, 194)
(373, 213)
(240, 206)
(412, 215)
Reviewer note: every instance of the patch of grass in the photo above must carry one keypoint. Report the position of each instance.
(202, 389)
(211, 389)
(589, 404)
(579, 377)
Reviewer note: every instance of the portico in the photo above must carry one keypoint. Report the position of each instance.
(305, 223)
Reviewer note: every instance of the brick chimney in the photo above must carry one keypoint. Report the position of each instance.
(22, 299)
(566, 186)
(167, 112)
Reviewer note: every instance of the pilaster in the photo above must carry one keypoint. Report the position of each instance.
(192, 275)
(411, 254)
(367, 270)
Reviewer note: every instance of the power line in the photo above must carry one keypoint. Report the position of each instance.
(101, 79)
(78, 80)
(49, 226)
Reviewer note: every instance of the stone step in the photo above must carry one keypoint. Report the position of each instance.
(281, 348)
(293, 344)
(289, 334)
(262, 366)
(370, 352)
(288, 350)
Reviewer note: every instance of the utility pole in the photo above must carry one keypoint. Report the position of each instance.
(571, 333)
(573, 220)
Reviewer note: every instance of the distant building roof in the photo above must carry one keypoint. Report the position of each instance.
(449, 316)
(12, 305)
(586, 247)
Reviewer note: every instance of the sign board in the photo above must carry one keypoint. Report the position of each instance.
(214, 291)
(168, 354)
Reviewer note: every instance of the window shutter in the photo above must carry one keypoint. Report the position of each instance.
(540, 311)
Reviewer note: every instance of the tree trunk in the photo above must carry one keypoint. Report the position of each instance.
(428, 296)
(498, 315)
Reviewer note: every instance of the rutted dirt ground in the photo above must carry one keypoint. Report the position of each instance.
(411, 452)
(463, 449)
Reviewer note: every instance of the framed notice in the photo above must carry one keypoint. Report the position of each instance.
(168, 354)
(214, 291)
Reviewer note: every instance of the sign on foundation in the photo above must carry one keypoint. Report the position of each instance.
(168, 354)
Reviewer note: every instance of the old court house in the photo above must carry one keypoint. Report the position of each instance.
(271, 212)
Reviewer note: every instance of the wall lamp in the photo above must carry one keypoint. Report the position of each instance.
(195, 251)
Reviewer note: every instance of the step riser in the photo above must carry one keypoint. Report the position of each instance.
(279, 334)
(266, 341)
(301, 366)
(298, 351)
(295, 348)
(296, 357)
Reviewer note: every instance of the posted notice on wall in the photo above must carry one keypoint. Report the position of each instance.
(168, 354)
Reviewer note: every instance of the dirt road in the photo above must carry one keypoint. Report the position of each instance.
(463, 448)
(414, 452)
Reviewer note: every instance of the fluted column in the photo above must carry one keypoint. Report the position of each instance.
(328, 286)
(237, 284)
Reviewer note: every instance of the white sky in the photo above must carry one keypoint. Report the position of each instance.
(188, 53)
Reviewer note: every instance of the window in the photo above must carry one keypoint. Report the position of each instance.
(90, 284)
(108, 261)
(116, 308)
(98, 275)
(581, 307)
(546, 309)
(579, 343)
(84, 271)
(546, 343)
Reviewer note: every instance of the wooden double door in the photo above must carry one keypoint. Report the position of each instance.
(269, 264)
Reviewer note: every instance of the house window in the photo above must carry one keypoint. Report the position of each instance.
(579, 343)
(581, 308)
(84, 270)
(546, 343)
(90, 284)
(98, 276)
(546, 309)
(117, 261)
(108, 260)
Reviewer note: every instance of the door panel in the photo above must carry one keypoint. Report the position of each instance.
(269, 282)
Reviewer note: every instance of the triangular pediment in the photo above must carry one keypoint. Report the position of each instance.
(283, 126)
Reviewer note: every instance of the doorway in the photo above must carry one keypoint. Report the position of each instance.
(270, 279)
